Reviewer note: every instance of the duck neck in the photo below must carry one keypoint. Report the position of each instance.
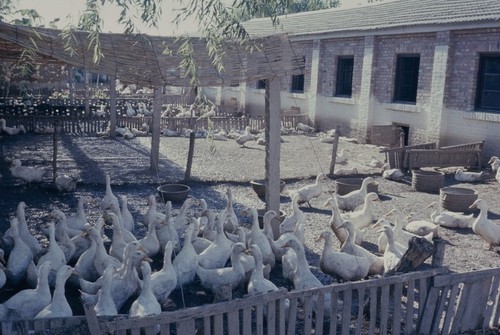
(43, 280)
(108, 185)
(59, 290)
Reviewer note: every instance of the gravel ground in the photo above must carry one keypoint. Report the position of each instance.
(302, 158)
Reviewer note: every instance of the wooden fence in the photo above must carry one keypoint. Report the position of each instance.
(425, 302)
(92, 125)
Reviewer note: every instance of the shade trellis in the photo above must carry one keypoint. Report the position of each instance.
(141, 59)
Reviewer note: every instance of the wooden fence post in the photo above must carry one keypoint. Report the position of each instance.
(334, 151)
(54, 151)
(92, 321)
(438, 255)
(187, 175)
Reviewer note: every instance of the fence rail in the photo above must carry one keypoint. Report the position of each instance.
(91, 125)
(426, 302)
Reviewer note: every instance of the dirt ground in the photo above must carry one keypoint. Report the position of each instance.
(302, 158)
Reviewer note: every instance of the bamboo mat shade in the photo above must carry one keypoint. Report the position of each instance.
(141, 59)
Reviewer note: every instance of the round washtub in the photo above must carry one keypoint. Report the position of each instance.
(347, 185)
(173, 192)
(457, 199)
(259, 187)
(427, 181)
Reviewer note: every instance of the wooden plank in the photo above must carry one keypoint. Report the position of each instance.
(271, 318)
(308, 311)
(91, 319)
(207, 325)
(218, 323)
(474, 313)
(396, 314)
(373, 309)
(491, 298)
(346, 312)
(496, 310)
(233, 322)
(409, 326)
(320, 312)
(461, 305)
(259, 320)
(426, 311)
(247, 321)
(453, 278)
(38, 325)
(438, 314)
(292, 316)
(165, 329)
(422, 295)
(333, 313)
(283, 315)
(153, 330)
(450, 309)
(135, 331)
(361, 305)
(186, 326)
(384, 309)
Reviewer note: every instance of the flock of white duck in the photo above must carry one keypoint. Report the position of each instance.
(213, 247)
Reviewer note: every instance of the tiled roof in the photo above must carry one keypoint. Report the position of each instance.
(395, 14)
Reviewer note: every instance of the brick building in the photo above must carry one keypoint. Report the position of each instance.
(429, 66)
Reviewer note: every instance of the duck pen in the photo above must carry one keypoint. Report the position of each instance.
(431, 301)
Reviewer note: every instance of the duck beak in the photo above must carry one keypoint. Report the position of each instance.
(473, 206)
(147, 259)
(84, 233)
(74, 272)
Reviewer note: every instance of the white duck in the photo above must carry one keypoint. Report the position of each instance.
(24, 232)
(209, 231)
(311, 191)
(102, 259)
(167, 232)
(27, 303)
(11, 130)
(364, 217)
(150, 243)
(59, 307)
(105, 304)
(26, 173)
(245, 137)
(377, 263)
(217, 254)
(258, 238)
(353, 199)
(495, 163)
(65, 242)
(401, 237)
(342, 157)
(421, 227)
(163, 282)
(392, 174)
(128, 236)
(118, 244)
(375, 162)
(78, 220)
(186, 263)
(305, 128)
(146, 303)
(231, 223)
(340, 264)
(297, 216)
(20, 256)
(258, 283)
(336, 222)
(303, 278)
(224, 277)
(55, 254)
(392, 254)
(109, 200)
(85, 264)
(65, 183)
(180, 221)
(497, 176)
(484, 227)
(126, 282)
(467, 176)
(449, 219)
(152, 213)
(130, 111)
(127, 218)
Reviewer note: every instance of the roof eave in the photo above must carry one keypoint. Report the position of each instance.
(413, 29)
